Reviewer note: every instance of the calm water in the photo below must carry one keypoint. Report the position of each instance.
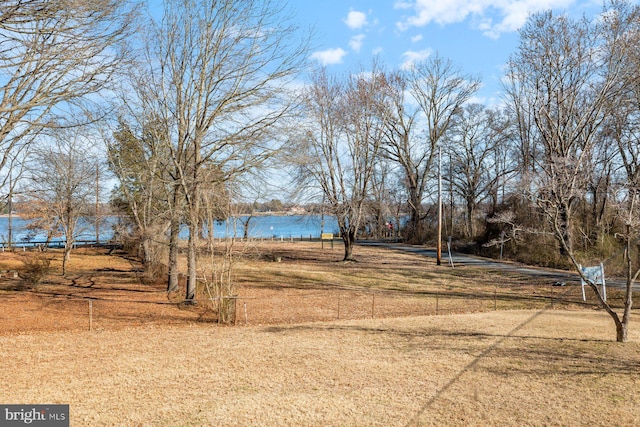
(259, 227)
(277, 226)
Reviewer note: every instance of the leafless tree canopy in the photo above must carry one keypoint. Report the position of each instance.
(53, 55)
(61, 184)
(340, 147)
(439, 89)
(215, 79)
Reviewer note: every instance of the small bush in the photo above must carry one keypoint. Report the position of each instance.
(34, 269)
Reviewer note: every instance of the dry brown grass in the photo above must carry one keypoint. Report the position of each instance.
(500, 368)
(150, 362)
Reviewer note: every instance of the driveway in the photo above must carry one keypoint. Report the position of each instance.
(553, 276)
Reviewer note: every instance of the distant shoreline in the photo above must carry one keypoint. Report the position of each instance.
(280, 213)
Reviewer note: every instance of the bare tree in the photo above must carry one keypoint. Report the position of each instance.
(439, 90)
(16, 168)
(61, 181)
(621, 29)
(217, 78)
(560, 68)
(382, 216)
(476, 146)
(576, 75)
(53, 55)
(400, 143)
(341, 145)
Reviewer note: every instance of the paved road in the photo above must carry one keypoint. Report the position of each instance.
(553, 276)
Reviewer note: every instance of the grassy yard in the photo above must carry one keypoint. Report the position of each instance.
(391, 340)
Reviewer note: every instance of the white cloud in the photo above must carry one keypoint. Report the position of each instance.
(416, 38)
(356, 20)
(402, 5)
(492, 17)
(411, 57)
(329, 56)
(356, 42)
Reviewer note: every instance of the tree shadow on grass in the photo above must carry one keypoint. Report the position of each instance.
(505, 354)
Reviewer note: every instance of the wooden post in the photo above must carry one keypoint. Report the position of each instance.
(235, 311)
(245, 314)
(373, 306)
(90, 315)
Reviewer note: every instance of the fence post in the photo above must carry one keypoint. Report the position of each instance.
(373, 306)
(235, 311)
(90, 315)
(246, 319)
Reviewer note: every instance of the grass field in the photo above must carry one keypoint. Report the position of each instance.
(519, 353)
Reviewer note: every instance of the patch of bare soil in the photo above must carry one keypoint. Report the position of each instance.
(276, 283)
(99, 291)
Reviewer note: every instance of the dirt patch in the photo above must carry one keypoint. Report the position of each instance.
(101, 291)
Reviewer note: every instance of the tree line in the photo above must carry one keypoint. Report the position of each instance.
(193, 107)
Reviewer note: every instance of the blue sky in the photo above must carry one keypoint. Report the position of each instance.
(477, 35)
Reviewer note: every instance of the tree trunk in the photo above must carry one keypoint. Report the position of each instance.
(622, 326)
(190, 297)
(147, 257)
(621, 331)
(413, 226)
(348, 238)
(564, 215)
(245, 227)
(174, 232)
(69, 231)
(471, 229)
(174, 238)
(65, 258)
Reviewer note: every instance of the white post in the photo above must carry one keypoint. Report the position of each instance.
(584, 297)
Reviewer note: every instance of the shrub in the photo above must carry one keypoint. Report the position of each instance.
(34, 269)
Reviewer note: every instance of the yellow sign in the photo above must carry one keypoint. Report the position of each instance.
(327, 236)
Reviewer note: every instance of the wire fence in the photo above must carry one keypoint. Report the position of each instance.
(30, 311)
(295, 306)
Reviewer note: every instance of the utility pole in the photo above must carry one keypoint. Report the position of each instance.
(439, 243)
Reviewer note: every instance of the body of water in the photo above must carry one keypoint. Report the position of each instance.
(277, 226)
(263, 226)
